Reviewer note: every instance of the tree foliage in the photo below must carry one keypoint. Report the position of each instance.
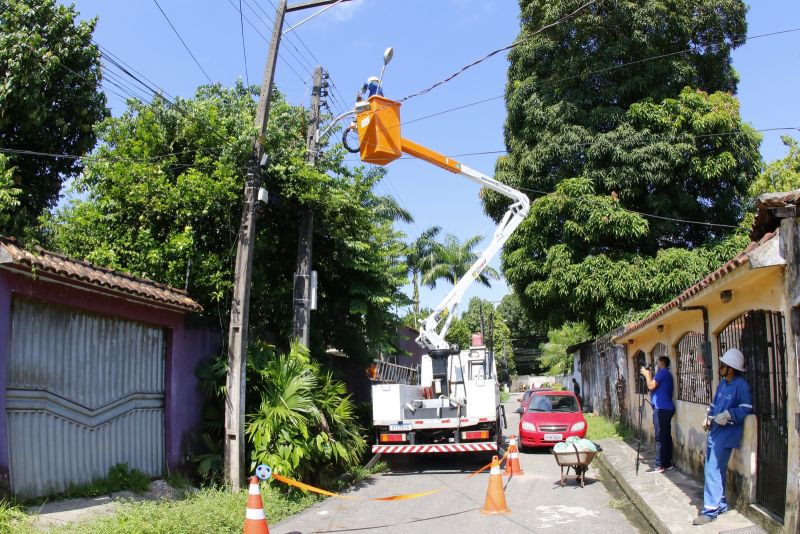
(420, 256)
(451, 259)
(300, 421)
(555, 358)
(780, 175)
(603, 146)
(50, 99)
(481, 316)
(161, 198)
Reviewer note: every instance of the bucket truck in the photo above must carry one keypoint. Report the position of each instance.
(451, 402)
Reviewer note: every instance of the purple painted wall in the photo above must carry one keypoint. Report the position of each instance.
(184, 398)
(186, 347)
(5, 347)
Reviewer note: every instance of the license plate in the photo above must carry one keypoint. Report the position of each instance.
(394, 428)
(553, 437)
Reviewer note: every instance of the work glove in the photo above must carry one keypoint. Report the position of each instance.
(707, 422)
(722, 418)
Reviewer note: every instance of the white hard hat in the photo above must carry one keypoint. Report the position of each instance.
(733, 358)
(372, 79)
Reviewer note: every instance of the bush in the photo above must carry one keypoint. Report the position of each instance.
(300, 422)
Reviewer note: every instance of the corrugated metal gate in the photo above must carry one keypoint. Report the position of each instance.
(85, 392)
(759, 334)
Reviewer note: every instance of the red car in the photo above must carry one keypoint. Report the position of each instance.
(550, 417)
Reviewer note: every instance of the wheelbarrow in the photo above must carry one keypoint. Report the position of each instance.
(577, 460)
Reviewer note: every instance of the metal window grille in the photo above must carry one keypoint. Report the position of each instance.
(658, 351)
(639, 361)
(692, 378)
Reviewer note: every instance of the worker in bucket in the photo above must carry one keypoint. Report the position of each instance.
(371, 87)
(733, 402)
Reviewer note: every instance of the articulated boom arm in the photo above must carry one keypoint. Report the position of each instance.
(378, 124)
(434, 328)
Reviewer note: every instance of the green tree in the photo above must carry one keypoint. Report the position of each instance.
(451, 259)
(555, 358)
(496, 333)
(50, 99)
(661, 137)
(9, 195)
(420, 256)
(780, 175)
(161, 198)
(300, 422)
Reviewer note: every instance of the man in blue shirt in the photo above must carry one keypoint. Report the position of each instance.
(733, 402)
(661, 387)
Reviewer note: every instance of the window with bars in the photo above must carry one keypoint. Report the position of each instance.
(658, 351)
(691, 370)
(639, 361)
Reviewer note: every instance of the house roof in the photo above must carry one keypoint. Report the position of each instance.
(770, 209)
(87, 275)
(731, 265)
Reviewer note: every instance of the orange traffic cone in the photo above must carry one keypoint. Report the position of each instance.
(512, 464)
(495, 498)
(255, 522)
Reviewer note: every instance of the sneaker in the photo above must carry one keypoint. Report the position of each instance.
(655, 470)
(670, 468)
(703, 519)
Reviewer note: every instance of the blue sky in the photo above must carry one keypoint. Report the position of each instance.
(432, 39)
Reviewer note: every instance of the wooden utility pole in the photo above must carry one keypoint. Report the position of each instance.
(302, 278)
(240, 303)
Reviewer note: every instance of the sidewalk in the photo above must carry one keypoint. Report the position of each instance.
(670, 500)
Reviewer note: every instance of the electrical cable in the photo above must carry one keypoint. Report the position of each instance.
(184, 42)
(244, 48)
(598, 71)
(246, 18)
(495, 52)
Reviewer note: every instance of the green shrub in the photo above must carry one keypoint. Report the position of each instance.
(301, 422)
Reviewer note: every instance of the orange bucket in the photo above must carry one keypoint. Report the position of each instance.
(379, 131)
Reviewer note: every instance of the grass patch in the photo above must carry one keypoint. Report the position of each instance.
(13, 518)
(504, 395)
(208, 511)
(602, 428)
(620, 504)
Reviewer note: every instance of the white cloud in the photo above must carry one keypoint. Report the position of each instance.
(345, 11)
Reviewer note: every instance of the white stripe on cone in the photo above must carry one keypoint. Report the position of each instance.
(253, 490)
(255, 513)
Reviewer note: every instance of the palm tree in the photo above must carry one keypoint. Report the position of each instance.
(421, 256)
(452, 260)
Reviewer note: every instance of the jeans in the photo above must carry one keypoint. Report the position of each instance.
(716, 468)
(662, 420)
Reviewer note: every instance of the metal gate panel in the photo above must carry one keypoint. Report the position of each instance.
(85, 392)
(760, 336)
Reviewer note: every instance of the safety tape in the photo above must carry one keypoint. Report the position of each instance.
(401, 497)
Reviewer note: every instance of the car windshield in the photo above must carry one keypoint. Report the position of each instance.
(553, 403)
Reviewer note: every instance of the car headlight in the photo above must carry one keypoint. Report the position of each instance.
(578, 426)
(530, 427)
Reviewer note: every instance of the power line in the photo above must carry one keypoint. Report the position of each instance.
(184, 42)
(255, 28)
(495, 52)
(244, 49)
(598, 71)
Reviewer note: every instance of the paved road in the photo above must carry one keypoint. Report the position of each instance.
(536, 499)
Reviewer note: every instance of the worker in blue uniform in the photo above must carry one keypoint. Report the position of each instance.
(371, 87)
(724, 422)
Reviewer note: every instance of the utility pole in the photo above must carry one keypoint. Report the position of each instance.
(302, 279)
(240, 302)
